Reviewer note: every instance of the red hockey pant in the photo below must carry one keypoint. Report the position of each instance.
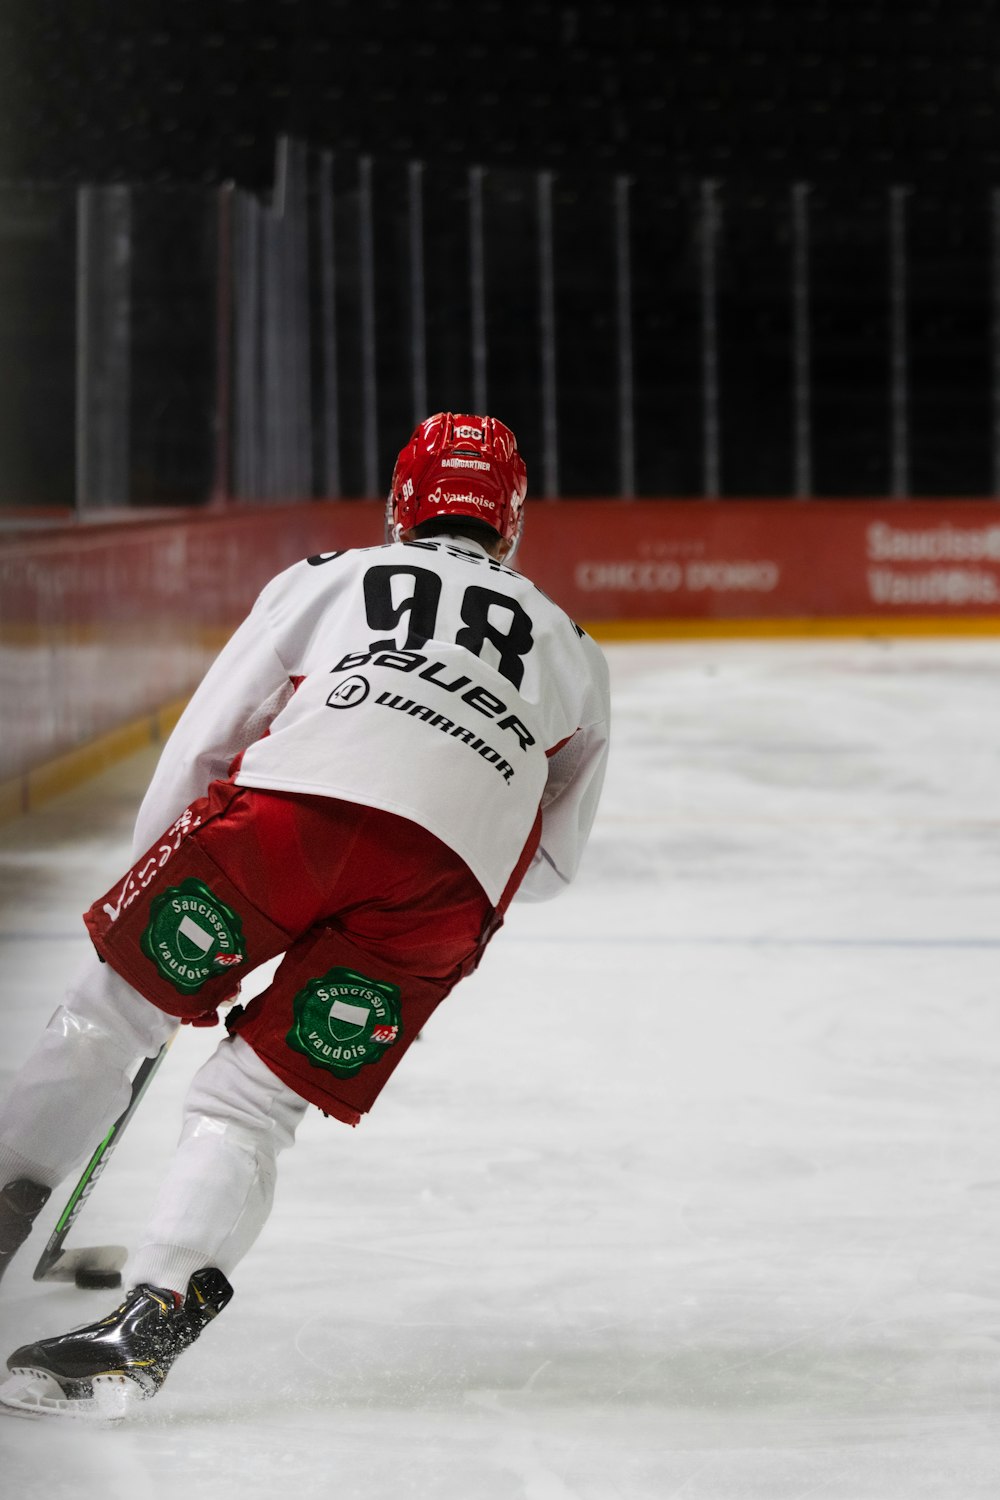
(377, 920)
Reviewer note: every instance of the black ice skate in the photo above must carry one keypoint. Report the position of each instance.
(102, 1369)
(21, 1202)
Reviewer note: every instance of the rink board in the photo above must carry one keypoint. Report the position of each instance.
(103, 625)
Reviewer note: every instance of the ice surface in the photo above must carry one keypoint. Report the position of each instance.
(693, 1190)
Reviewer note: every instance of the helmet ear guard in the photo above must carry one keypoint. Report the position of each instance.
(461, 465)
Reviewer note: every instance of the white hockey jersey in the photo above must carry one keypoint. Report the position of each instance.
(423, 678)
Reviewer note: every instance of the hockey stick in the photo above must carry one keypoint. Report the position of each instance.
(97, 1265)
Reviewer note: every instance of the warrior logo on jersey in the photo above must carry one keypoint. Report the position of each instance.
(344, 1021)
(349, 693)
(192, 936)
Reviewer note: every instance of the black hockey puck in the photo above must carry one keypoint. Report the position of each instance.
(87, 1277)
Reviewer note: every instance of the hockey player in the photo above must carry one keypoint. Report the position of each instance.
(394, 742)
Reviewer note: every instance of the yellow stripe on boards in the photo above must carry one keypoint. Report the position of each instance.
(64, 772)
(847, 626)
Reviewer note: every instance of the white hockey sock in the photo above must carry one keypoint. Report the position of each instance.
(218, 1190)
(76, 1081)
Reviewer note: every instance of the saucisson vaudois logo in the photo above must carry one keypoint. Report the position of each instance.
(344, 1020)
(192, 936)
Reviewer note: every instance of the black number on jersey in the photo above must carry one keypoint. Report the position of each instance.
(386, 604)
(487, 616)
(503, 622)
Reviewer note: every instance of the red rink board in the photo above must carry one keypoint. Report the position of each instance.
(753, 560)
(101, 624)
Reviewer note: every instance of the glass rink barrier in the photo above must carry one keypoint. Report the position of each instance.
(644, 335)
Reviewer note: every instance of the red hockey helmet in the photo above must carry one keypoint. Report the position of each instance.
(459, 465)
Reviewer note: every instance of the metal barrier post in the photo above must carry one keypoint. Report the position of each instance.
(995, 212)
(802, 482)
(626, 395)
(547, 334)
(328, 327)
(477, 287)
(899, 404)
(103, 340)
(710, 340)
(247, 309)
(418, 312)
(369, 383)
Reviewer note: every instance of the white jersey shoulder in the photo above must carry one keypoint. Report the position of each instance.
(435, 683)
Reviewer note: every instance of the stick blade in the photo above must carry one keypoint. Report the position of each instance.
(103, 1258)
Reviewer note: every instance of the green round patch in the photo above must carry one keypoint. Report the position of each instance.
(192, 936)
(344, 1021)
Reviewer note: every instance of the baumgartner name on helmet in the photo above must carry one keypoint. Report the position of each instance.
(466, 463)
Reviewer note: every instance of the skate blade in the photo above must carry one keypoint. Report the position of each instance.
(36, 1393)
